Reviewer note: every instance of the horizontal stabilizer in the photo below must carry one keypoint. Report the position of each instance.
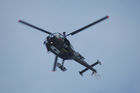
(81, 72)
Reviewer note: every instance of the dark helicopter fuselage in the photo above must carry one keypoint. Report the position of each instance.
(60, 46)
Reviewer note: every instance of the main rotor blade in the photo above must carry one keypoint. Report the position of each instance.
(87, 26)
(55, 62)
(23, 22)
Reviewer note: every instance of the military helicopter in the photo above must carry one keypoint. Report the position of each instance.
(61, 47)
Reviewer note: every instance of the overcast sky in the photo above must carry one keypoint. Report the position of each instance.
(26, 67)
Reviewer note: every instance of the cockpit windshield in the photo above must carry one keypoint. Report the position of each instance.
(57, 35)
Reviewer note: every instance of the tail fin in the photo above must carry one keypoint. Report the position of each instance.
(97, 76)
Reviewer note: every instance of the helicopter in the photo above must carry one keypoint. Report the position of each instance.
(61, 47)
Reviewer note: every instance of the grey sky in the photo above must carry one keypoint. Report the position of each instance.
(25, 65)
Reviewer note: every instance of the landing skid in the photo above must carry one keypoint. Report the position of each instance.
(61, 67)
